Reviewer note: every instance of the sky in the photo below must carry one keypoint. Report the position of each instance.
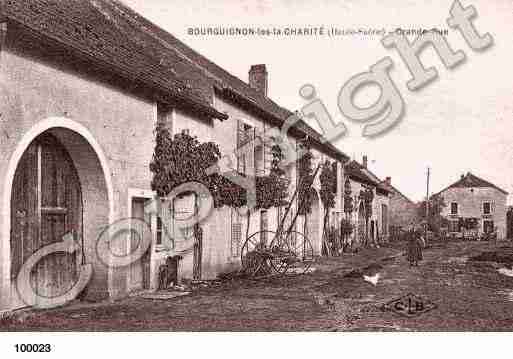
(461, 122)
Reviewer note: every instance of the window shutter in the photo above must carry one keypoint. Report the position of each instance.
(263, 226)
(239, 140)
(334, 168)
(239, 132)
(268, 157)
(236, 238)
(235, 233)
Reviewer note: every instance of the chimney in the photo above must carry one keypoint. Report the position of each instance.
(462, 176)
(364, 161)
(388, 181)
(258, 78)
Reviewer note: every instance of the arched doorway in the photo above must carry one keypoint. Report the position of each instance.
(95, 178)
(46, 203)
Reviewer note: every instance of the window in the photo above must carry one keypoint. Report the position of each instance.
(164, 115)
(384, 219)
(487, 208)
(454, 208)
(488, 226)
(334, 168)
(183, 210)
(454, 226)
(159, 230)
(236, 233)
(245, 133)
(263, 226)
(241, 168)
(259, 160)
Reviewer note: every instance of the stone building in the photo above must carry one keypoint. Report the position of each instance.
(403, 211)
(83, 86)
(474, 198)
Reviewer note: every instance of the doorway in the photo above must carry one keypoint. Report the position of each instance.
(139, 270)
(46, 204)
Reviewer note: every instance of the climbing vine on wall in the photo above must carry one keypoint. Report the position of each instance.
(305, 174)
(182, 158)
(367, 196)
(328, 179)
(272, 189)
(327, 192)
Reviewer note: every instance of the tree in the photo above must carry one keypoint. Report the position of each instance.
(435, 220)
(346, 229)
(367, 196)
(272, 189)
(327, 194)
(305, 178)
(278, 179)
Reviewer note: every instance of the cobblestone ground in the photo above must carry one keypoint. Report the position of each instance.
(468, 296)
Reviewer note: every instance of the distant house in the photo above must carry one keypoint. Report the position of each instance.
(476, 199)
(403, 211)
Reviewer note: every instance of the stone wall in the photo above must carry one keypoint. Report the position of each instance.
(470, 204)
(402, 211)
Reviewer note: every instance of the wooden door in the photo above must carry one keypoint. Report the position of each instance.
(46, 204)
(139, 270)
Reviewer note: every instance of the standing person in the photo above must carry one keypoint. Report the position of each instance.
(414, 247)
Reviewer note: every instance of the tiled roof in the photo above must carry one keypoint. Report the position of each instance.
(109, 32)
(224, 82)
(471, 180)
(356, 171)
(97, 30)
(393, 189)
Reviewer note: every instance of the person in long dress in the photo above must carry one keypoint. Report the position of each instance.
(414, 247)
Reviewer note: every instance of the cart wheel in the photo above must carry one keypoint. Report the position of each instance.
(292, 252)
(254, 254)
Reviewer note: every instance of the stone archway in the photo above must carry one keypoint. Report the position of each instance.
(93, 174)
(46, 205)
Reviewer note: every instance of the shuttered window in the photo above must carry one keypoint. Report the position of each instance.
(259, 160)
(487, 208)
(488, 226)
(236, 239)
(235, 233)
(454, 226)
(165, 116)
(263, 226)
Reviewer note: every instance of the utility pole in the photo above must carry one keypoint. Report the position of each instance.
(427, 203)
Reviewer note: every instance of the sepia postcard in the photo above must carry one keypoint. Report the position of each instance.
(254, 166)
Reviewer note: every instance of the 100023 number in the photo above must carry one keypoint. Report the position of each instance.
(33, 348)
